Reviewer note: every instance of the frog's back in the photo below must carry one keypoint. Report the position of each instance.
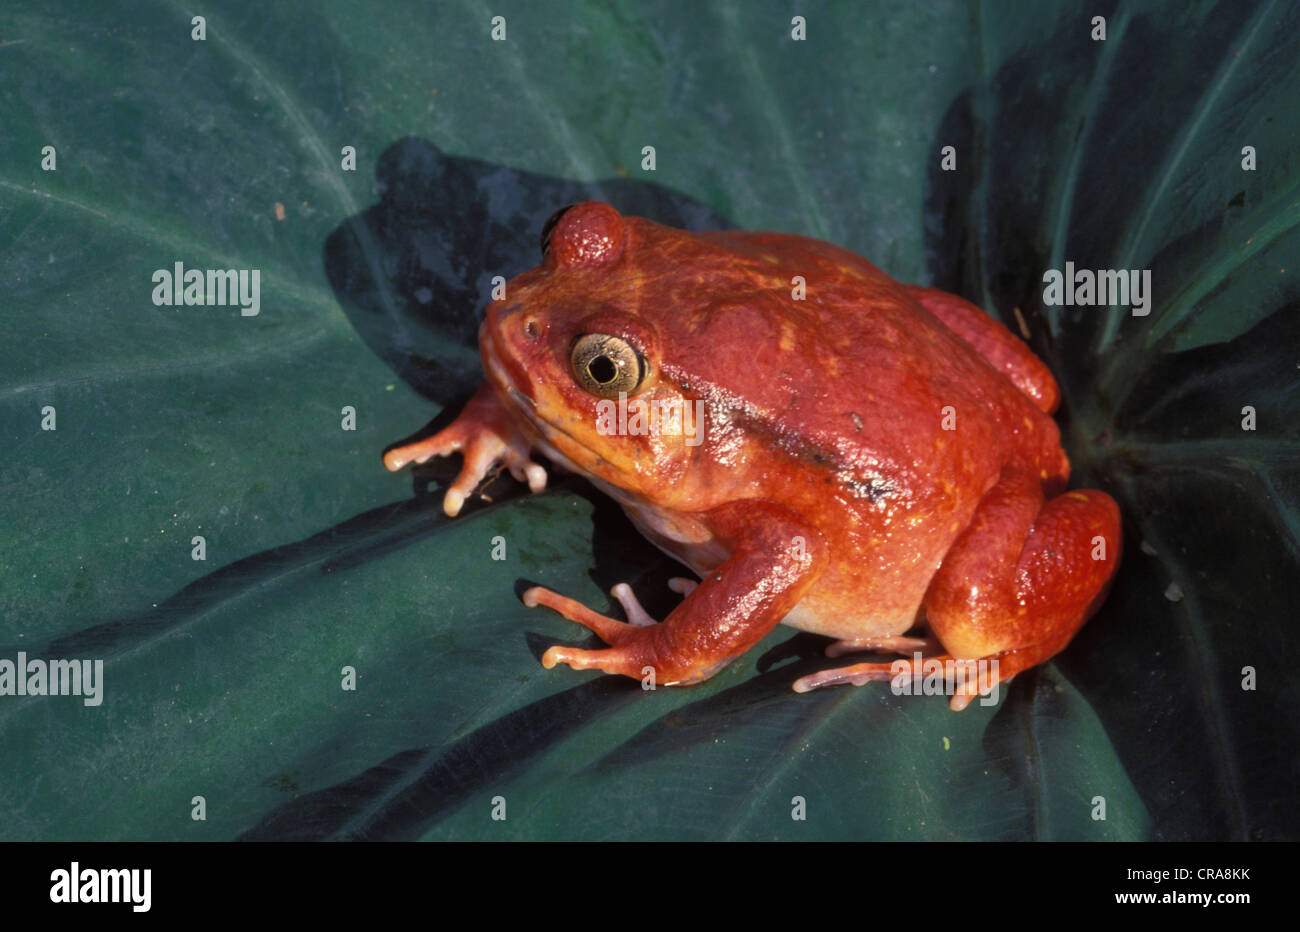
(831, 355)
(878, 423)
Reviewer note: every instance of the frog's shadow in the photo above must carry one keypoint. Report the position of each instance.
(413, 271)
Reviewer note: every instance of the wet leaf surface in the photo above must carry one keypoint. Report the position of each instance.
(222, 677)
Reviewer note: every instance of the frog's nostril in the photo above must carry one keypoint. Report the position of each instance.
(531, 330)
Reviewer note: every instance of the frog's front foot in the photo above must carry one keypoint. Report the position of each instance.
(630, 649)
(609, 630)
(486, 436)
(722, 616)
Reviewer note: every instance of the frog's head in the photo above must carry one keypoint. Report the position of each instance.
(575, 351)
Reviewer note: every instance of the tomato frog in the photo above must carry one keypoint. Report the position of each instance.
(854, 457)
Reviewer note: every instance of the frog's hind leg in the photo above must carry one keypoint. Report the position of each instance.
(1015, 586)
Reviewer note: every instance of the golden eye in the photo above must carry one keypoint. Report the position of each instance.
(606, 365)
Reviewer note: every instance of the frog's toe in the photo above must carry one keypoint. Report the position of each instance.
(531, 473)
(858, 674)
(609, 630)
(480, 457)
(682, 585)
(611, 660)
(636, 615)
(440, 444)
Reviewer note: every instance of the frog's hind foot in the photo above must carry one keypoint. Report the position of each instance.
(859, 674)
(969, 680)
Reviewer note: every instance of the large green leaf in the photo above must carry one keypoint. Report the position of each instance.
(223, 676)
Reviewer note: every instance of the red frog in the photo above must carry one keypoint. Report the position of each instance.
(870, 457)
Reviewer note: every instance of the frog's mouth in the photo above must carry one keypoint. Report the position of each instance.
(548, 436)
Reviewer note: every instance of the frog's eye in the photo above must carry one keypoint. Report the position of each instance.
(549, 227)
(605, 365)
